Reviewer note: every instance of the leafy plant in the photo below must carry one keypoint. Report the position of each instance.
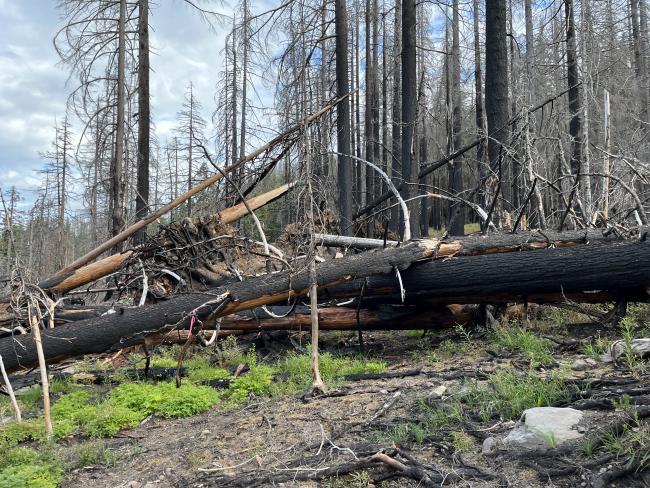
(163, 399)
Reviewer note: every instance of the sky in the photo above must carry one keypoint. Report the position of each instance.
(34, 86)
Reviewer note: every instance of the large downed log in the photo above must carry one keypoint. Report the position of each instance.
(618, 269)
(584, 274)
(62, 283)
(330, 318)
(342, 318)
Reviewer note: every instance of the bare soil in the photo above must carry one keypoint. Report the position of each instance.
(274, 441)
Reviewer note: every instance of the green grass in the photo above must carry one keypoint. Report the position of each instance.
(507, 394)
(596, 348)
(514, 339)
(628, 328)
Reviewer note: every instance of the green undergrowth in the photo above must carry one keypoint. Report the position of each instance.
(90, 413)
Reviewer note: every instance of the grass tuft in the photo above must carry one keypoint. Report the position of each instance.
(513, 339)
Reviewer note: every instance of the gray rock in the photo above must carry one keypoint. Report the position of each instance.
(491, 446)
(543, 428)
(584, 364)
(437, 392)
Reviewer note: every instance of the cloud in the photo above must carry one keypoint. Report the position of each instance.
(34, 87)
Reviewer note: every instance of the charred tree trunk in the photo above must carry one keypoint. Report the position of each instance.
(343, 119)
(142, 195)
(456, 225)
(409, 109)
(496, 96)
(118, 176)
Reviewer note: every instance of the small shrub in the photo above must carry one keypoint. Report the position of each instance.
(13, 433)
(37, 475)
(95, 453)
(163, 399)
(17, 455)
(630, 358)
(596, 348)
(258, 381)
(109, 419)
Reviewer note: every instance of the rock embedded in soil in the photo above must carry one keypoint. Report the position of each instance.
(543, 428)
(491, 446)
(584, 364)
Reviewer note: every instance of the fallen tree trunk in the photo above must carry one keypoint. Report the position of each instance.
(331, 318)
(491, 243)
(618, 269)
(342, 318)
(64, 282)
(584, 274)
(102, 333)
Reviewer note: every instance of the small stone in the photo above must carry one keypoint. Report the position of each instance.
(205, 432)
(490, 446)
(134, 484)
(437, 392)
(383, 392)
(584, 364)
(169, 472)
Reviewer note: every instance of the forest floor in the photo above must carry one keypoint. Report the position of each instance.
(424, 402)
